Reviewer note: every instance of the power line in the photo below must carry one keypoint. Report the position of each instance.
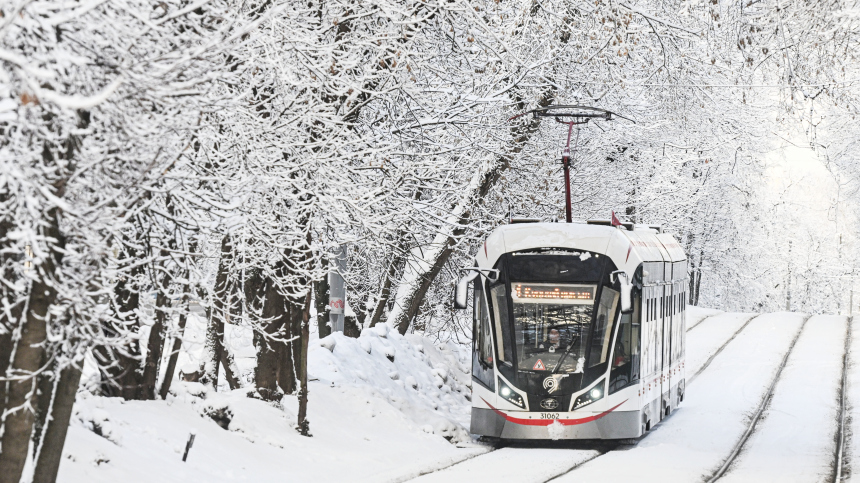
(742, 86)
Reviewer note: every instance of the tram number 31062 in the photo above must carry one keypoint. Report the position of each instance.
(549, 415)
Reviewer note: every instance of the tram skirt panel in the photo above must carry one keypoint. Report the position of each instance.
(616, 425)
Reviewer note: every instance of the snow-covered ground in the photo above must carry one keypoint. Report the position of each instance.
(374, 419)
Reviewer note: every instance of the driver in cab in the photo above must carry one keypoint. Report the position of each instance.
(553, 341)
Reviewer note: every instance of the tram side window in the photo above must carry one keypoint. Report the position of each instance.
(482, 349)
(503, 324)
(625, 358)
(602, 328)
(654, 308)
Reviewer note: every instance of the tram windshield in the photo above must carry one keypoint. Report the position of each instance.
(551, 325)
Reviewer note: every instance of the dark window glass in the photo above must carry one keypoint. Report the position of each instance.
(503, 324)
(625, 356)
(550, 331)
(482, 348)
(600, 332)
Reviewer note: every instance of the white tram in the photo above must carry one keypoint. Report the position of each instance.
(578, 330)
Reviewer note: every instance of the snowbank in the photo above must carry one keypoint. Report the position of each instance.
(429, 384)
(380, 407)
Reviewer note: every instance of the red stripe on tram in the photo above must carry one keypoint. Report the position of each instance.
(547, 422)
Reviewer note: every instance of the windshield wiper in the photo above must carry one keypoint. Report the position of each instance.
(563, 356)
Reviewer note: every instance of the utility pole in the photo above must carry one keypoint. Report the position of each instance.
(337, 290)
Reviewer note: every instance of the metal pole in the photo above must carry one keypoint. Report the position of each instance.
(565, 161)
(337, 290)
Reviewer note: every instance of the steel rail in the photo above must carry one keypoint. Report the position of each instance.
(577, 465)
(702, 320)
(421, 473)
(840, 440)
(718, 351)
(762, 406)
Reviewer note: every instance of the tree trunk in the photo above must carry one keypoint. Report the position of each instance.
(155, 345)
(385, 293)
(350, 327)
(420, 274)
(54, 438)
(6, 347)
(289, 352)
(44, 398)
(214, 349)
(266, 370)
(7, 325)
(174, 351)
(29, 354)
(119, 365)
(231, 370)
(303, 423)
(321, 302)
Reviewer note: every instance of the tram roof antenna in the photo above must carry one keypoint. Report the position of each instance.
(572, 115)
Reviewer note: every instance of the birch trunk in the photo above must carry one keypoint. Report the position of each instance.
(421, 271)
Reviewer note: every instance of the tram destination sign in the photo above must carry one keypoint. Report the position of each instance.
(543, 291)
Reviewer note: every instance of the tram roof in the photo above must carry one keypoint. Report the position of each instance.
(624, 246)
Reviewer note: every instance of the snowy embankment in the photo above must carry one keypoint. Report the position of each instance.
(382, 407)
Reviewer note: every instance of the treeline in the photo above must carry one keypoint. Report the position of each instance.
(217, 154)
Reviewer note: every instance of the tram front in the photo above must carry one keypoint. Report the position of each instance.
(556, 334)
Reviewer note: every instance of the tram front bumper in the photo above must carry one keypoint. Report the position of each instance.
(614, 425)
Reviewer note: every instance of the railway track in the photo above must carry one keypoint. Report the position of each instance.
(759, 411)
(840, 437)
(718, 351)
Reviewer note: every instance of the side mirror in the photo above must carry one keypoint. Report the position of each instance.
(626, 290)
(461, 290)
(462, 287)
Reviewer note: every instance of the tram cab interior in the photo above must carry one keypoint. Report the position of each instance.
(575, 335)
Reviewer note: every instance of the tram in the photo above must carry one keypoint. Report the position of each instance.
(579, 330)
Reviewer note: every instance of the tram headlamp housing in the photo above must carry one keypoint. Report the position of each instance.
(509, 395)
(590, 396)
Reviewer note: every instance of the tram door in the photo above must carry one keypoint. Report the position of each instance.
(652, 341)
(672, 335)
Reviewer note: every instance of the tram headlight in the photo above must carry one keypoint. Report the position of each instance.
(593, 394)
(510, 395)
